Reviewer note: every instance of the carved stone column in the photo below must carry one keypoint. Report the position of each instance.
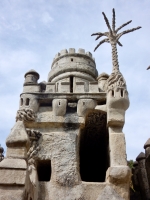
(142, 177)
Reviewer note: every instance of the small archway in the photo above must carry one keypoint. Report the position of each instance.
(94, 149)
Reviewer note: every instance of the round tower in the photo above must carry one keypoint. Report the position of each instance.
(69, 63)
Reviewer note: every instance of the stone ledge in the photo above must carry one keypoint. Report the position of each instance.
(9, 163)
(12, 177)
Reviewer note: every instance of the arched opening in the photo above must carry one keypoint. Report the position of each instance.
(94, 149)
(44, 170)
(21, 101)
(27, 101)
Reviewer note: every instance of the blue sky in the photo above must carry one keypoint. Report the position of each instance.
(33, 31)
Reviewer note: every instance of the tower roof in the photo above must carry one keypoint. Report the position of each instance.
(32, 71)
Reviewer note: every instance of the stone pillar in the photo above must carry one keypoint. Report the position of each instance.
(142, 177)
(147, 161)
(13, 167)
(117, 103)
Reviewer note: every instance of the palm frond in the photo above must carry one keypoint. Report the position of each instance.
(127, 31)
(123, 25)
(101, 42)
(99, 33)
(119, 43)
(113, 20)
(107, 22)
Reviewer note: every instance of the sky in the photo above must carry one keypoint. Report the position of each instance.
(33, 31)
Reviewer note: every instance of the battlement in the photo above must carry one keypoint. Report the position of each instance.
(72, 52)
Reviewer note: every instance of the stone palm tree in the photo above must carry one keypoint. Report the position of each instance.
(113, 38)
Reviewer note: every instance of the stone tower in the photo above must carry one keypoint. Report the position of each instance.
(67, 143)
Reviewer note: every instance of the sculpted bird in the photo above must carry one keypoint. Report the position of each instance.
(112, 37)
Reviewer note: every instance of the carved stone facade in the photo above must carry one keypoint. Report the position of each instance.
(67, 142)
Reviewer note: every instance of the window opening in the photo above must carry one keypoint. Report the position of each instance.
(72, 59)
(59, 103)
(71, 84)
(27, 101)
(21, 101)
(112, 93)
(44, 170)
(121, 92)
(94, 148)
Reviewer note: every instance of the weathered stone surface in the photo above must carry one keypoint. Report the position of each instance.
(60, 148)
(12, 176)
(59, 107)
(109, 193)
(11, 192)
(16, 152)
(117, 148)
(85, 105)
(9, 163)
(118, 174)
(18, 135)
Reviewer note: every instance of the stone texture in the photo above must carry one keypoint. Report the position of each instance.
(9, 163)
(16, 152)
(118, 174)
(59, 107)
(109, 193)
(117, 149)
(12, 177)
(85, 105)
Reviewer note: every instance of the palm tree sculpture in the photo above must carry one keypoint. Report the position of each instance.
(113, 38)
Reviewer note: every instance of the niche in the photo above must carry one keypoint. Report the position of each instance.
(44, 170)
(27, 101)
(94, 149)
